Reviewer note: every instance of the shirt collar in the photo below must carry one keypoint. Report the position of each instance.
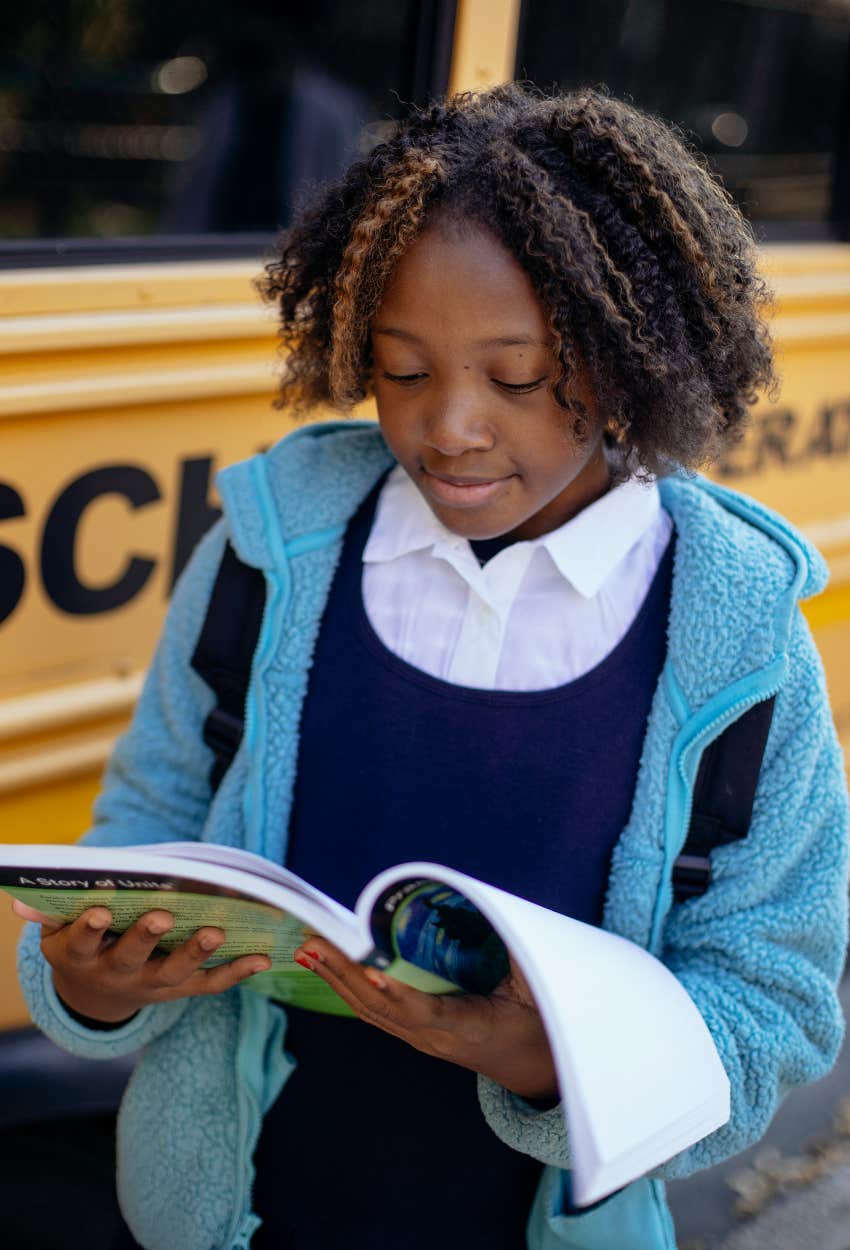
(404, 522)
(588, 548)
(585, 549)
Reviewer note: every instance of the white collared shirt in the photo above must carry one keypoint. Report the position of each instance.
(538, 614)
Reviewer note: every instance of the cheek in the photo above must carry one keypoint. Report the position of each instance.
(564, 454)
(398, 429)
(558, 441)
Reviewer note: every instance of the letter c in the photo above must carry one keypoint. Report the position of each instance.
(58, 568)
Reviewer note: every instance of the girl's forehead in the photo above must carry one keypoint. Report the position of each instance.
(460, 280)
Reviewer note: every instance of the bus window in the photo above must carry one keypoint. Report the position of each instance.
(761, 85)
(119, 118)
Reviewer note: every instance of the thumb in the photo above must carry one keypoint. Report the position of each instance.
(520, 989)
(25, 912)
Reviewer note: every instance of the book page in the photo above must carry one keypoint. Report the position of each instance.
(247, 861)
(77, 878)
(639, 1074)
(251, 928)
(427, 926)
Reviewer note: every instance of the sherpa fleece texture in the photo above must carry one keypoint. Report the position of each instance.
(760, 953)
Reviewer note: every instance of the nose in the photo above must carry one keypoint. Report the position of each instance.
(457, 425)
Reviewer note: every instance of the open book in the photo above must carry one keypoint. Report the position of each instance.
(639, 1075)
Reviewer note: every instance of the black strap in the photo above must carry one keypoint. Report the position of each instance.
(723, 797)
(225, 652)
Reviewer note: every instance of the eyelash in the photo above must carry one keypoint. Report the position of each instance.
(515, 388)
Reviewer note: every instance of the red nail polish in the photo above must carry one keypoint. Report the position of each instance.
(315, 955)
(305, 963)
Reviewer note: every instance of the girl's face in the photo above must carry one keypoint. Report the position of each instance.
(462, 364)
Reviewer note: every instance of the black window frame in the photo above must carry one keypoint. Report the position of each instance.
(428, 77)
(835, 227)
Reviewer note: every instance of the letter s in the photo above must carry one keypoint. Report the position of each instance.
(12, 572)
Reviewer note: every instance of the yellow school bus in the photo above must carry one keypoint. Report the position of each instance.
(136, 359)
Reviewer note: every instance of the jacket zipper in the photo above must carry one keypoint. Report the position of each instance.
(707, 735)
(242, 1237)
(252, 801)
(244, 1222)
(279, 589)
(699, 741)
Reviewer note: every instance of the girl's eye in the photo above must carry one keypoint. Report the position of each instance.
(404, 379)
(515, 388)
(520, 388)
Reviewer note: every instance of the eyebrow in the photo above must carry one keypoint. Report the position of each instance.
(510, 340)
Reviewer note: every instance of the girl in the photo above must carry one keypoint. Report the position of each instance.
(500, 629)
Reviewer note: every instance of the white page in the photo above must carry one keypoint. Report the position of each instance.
(247, 861)
(637, 1067)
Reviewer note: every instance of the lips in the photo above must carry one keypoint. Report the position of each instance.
(463, 491)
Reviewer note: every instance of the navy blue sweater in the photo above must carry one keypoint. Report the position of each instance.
(444, 773)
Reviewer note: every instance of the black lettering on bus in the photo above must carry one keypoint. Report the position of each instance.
(831, 435)
(773, 436)
(767, 440)
(195, 513)
(58, 564)
(12, 572)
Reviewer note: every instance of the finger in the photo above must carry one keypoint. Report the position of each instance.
(516, 987)
(25, 912)
(321, 956)
(375, 997)
(135, 946)
(82, 940)
(330, 962)
(225, 976)
(182, 963)
(448, 1026)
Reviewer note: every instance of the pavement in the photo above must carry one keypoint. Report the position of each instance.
(789, 1192)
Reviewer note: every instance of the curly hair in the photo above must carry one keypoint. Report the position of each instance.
(645, 268)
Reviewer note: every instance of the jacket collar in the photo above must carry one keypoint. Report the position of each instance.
(310, 483)
(739, 572)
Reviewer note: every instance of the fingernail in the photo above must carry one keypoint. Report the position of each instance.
(209, 943)
(157, 927)
(97, 923)
(258, 967)
(376, 978)
(304, 962)
(315, 955)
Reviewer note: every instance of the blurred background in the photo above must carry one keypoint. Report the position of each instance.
(149, 154)
(129, 118)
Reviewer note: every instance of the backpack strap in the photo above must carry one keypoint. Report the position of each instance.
(723, 797)
(224, 654)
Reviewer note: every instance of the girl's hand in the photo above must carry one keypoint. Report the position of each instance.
(109, 979)
(501, 1036)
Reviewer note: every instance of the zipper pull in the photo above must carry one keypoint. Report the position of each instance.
(247, 1227)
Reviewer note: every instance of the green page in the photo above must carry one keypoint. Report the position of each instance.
(251, 928)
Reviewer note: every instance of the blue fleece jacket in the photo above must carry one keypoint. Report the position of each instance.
(760, 953)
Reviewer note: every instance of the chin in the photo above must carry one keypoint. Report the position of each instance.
(473, 528)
